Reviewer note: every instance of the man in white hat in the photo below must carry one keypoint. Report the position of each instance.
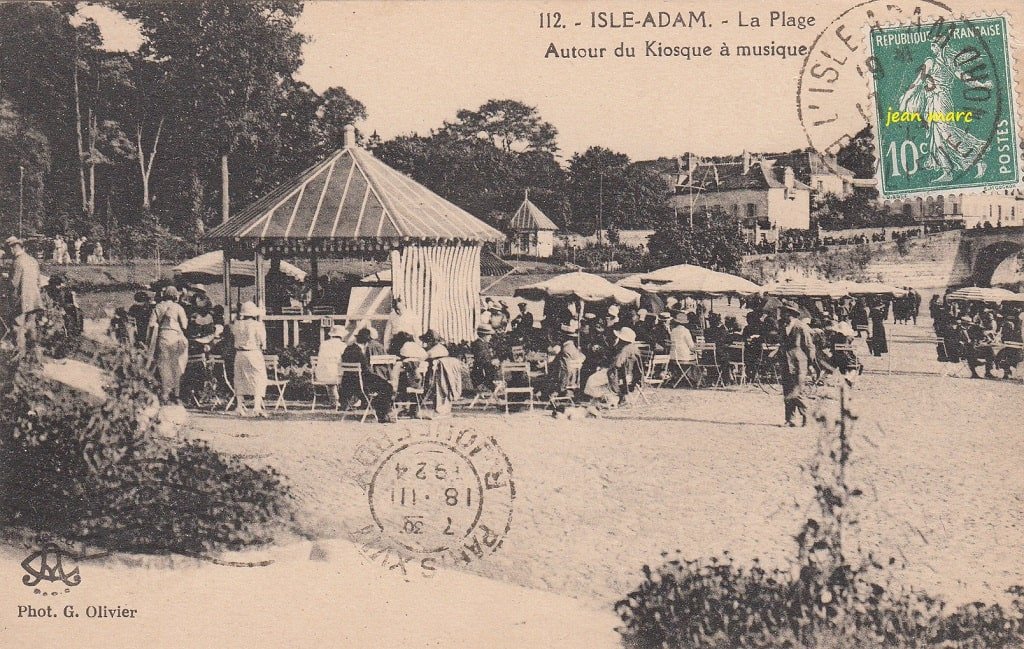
(625, 372)
(328, 358)
(612, 321)
(26, 299)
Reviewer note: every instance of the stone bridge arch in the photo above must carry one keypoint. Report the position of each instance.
(989, 248)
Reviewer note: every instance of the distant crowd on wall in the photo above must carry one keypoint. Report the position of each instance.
(807, 241)
(66, 250)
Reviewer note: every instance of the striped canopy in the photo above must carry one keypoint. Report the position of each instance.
(804, 287)
(692, 280)
(351, 202)
(979, 294)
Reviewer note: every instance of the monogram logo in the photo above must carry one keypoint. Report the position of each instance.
(48, 564)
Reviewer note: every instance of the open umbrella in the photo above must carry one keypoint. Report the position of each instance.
(208, 268)
(690, 280)
(980, 294)
(581, 286)
(804, 287)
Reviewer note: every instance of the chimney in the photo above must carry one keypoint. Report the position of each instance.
(349, 139)
(788, 178)
(746, 162)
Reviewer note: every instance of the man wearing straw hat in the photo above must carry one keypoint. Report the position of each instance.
(795, 356)
(26, 297)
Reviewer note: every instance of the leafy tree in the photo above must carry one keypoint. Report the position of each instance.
(23, 149)
(508, 124)
(717, 248)
(337, 110)
(858, 155)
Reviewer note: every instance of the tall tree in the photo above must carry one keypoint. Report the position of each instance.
(508, 124)
(228, 63)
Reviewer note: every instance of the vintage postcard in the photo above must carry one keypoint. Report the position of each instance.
(656, 325)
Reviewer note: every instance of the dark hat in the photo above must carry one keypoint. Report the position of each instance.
(141, 296)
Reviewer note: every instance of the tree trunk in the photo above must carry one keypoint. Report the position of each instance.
(225, 199)
(81, 145)
(146, 166)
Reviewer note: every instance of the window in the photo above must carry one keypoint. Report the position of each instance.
(908, 210)
(751, 210)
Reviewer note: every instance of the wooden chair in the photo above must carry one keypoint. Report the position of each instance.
(314, 362)
(737, 363)
(555, 400)
(686, 370)
(274, 381)
(355, 370)
(513, 373)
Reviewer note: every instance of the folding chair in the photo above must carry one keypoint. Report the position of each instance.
(355, 370)
(379, 362)
(657, 372)
(219, 371)
(276, 382)
(737, 362)
(686, 370)
(314, 362)
(707, 364)
(766, 372)
(570, 390)
(200, 361)
(513, 373)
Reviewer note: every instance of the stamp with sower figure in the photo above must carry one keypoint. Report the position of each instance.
(944, 106)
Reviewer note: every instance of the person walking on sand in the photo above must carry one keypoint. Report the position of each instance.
(250, 368)
(795, 356)
(26, 298)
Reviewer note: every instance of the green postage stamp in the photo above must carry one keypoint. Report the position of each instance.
(944, 106)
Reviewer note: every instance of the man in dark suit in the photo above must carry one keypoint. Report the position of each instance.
(796, 352)
(379, 391)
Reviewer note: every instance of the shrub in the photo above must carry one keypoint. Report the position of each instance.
(101, 473)
(829, 596)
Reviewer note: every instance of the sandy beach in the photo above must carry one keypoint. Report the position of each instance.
(709, 470)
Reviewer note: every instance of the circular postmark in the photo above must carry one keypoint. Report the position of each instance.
(881, 62)
(436, 494)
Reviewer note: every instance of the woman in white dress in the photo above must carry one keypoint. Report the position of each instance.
(328, 357)
(250, 369)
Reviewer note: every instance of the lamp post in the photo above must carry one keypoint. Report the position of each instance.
(21, 197)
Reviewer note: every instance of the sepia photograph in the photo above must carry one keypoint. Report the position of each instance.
(512, 324)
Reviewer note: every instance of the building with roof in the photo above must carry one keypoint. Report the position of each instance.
(757, 195)
(823, 174)
(533, 233)
(353, 205)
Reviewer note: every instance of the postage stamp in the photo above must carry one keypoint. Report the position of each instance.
(437, 495)
(944, 114)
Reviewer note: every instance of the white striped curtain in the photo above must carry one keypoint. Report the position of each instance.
(441, 285)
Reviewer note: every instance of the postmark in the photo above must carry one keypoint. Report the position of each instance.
(437, 495)
(943, 106)
(837, 97)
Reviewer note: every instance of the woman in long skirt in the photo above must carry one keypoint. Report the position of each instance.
(168, 346)
(250, 368)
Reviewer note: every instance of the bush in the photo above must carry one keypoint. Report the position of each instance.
(828, 596)
(102, 474)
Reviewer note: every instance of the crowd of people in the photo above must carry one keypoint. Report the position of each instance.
(978, 334)
(807, 240)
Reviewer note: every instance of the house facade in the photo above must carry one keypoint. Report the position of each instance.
(756, 194)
